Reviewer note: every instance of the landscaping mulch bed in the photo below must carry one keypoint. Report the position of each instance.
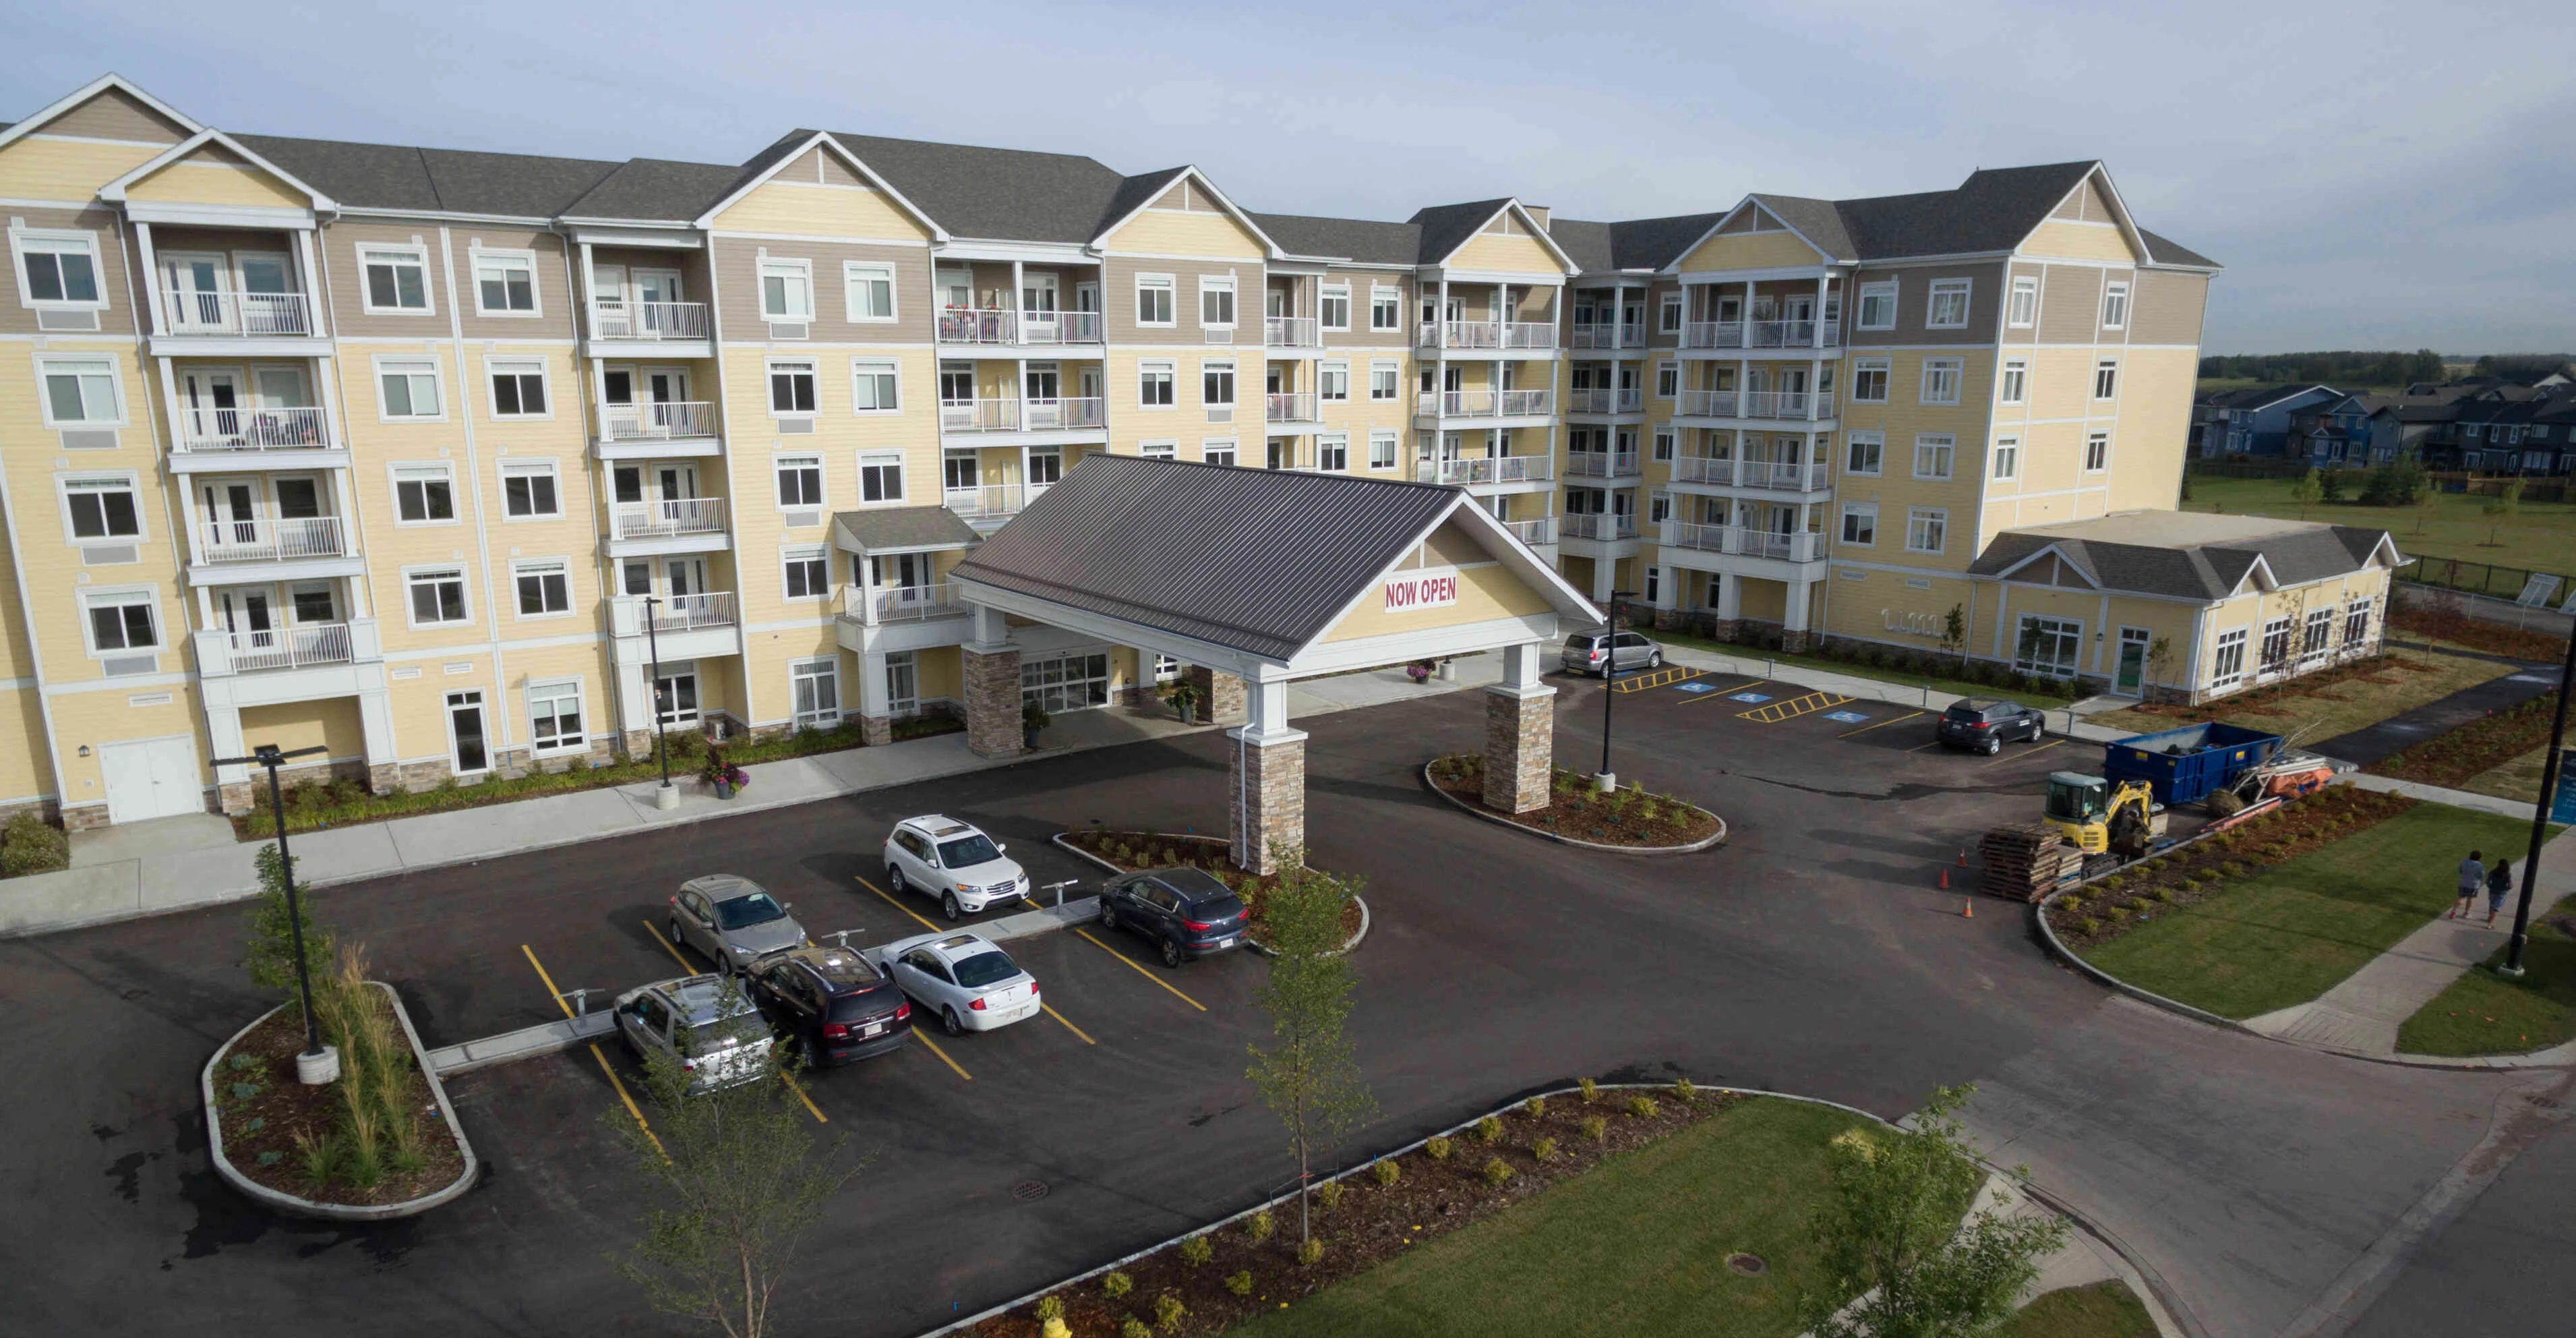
(2478, 746)
(264, 1109)
(1373, 1221)
(1632, 817)
(2282, 698)
(2445, 621)
(1132, 851)
(2105, 910)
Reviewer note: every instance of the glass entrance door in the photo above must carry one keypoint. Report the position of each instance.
(195, 287)
(675, 697)
(465, 732)
(2133, 662)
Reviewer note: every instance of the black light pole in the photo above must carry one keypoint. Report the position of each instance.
(2512, 968)
(653, 647)
(267, 755)
(1609, 779)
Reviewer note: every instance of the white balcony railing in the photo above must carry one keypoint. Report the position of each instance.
(1704, 469)
(1528, 403)
(1777, 404)
(290, 647)
(254, 430)
(990, 499)
(1063, 414)
(1485, 403)
(668, 518)
(224, 312)
(1781, 334)
(979, 415)
(1606, 334)
(1293, 407)
(667, 421)
(1597, 525)
(616, 318)
(1471, 469)
(909, 603)
(1708, 404)
(1741, 541)
(1601, 464)
(1058, 327)
(978, 325)
(688, 613)
(1533, 532)
(1713, 334)
(1629, 400)
(274, 540)
(1529, 334)
(1782, 475)
(1291, 332)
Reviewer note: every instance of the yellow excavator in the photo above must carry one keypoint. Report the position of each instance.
(2097, 817)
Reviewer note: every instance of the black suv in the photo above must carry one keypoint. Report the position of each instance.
(831, 1001)
(1184, 911)
(1988, 723)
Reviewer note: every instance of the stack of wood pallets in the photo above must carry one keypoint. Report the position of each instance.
(2028, 861)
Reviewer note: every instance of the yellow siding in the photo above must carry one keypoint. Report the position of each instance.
(1485, 593)
(332, 723)
(44, 169)
(2080, 241)
(187, 182)
(1515, 254)
(819, 211)
(1903, 418)
(94, 718)
(936, 674)
(2154, 429)
(1752, 250)
(1197, 233)
(24, 772)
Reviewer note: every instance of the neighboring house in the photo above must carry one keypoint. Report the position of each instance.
(2492, 433)
(2255, 421)
(2336, 434)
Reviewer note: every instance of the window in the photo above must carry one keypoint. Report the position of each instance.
(1386, 381)
(2007, 458)
(791, 388)
(2097, 452)
(1664, 443)
(1659, 506)
(2023, 311)
(1216, 383)
(1860, 523)
(2276, 645)
(81, 392)
(1878, 306)
(1668, 314)
(554, 717)
(1869, 381)
(1335, 306)
(1933, 452)
(1654, 585)
(881, 477)
(1154, 299)
(800, 481)
(2356, 622)
(102, 508)
(807, 572)
(1926, 527)
(409, 389)
(1949, 310)
(437, 596)
(61, 269)
(1668, 380)
(1154, 385)
(505, 283)
(867, 291)
(2045, 645)
(872, 388)
(545, 588)
(1159, 450)
(1941, 380)
(313, 602)
(2319, 634)
(397, 279)
(424, 495)
(2115, 306)
(814, 692)
(1386, 308)
(1333, 452)
(1333, 382)
(1382, 448)
(2106, 379)
(122, 620)
(786, 290)
(518, 388)
(528, 489)
(1217, 452)
(1862, 451)
(2016, 380)
(2228, 665)
(1216, 302)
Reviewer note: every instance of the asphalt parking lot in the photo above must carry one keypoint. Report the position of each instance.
(1814, 953)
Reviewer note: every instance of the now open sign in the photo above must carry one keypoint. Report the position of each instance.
(1424, 589)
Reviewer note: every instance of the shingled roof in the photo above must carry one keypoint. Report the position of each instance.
(997, 194)
(1363, 240)
(2108, 552)
(386, 176)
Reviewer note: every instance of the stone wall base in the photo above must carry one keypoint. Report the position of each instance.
(1266, 805)
(876, 730)
(85, 818)
(993, 702)
(1221, 696)
(1520, 741)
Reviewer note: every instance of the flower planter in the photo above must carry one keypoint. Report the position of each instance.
(1029, 739)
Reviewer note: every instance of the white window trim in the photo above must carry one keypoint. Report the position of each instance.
(1851, 509)
(1219, 283)
(515, 366)
(1170, 367)
(2086, 464)
(840, 699)
(1231, 369)
(538, 566)
(525, 467)
(798, 554)
(419, 254)
(1164, 283)
(124, 478)
(779, 465)
(464, 583)
(2011, 388)
(760, 286)
(55, 239)
(1341, 439)
(851, 272)
(2118, 288)
(1958, 368)
(1860, 309)
(438, 375)
(1668, 313)
(45, 362)
(2218, 649)
(1232, 446)
(1872, 437)
(476, 255)
(1379, 293)
(394, 470)
(1934, 513)
(120, 596)
(1329, 290)
(2095, 390)
(1967, 291)
(1664, 367)
(1885, 367)
(877, 458)
(2022, 283)
(1392, 369)
(1324, 369)
(1924, 440)
(1161, 448)
(1392, 441)
(813, 367)
(580, 704)
(894, 365)
(2005, 460)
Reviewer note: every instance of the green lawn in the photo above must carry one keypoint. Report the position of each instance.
(2482, 1013)
(2540, 536)
(2518, 779)
(2337, 708)
(1635, 1246)
(1942, 688)
(2105, 1309)
(2296, 930)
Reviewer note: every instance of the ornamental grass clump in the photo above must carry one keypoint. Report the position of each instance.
(1642, 1107)
(1168, 1310)
(1684, 1092)
(1536, 1106)
(1596, 1127)
(1050, 1308)
(1496, 1171)
(1310, 1251)
(1260, 1225)
(1132, 1327)
(1590, 1088)
(1329, 1194)
(1544, 1149)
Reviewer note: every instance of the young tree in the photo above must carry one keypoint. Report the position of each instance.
(734, 1183)
(1954, 631)
(1898, 1262)
(1310, 1076)
(2307, 490)
(271, 959)
(2507, 504)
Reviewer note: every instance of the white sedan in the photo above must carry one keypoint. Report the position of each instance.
(969, 983)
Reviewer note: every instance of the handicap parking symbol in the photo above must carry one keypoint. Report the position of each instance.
(1695, 687)
(1847, 717)
(1754, 697)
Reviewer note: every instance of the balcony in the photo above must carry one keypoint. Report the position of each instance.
(223, 312)
(687, 613)
(673, 420)
(1485, 404)
(990, 500)
(276, 652)
(1533, 532)
(295, 539)
(978, 325)
(1707, 404)
(1724, 472)
(1293, 407)
(1601, 464)
(1598, 525)
(1291, 332)
(290, 647)
(902, 604)
(999, 414)
(1760, 334)
(1713, 334)
(1796, 405)
(1060, 327)
(1740, 541)
(1780, 334)
(667, 518)
(680, 627)
(1607, 335)
(1630, 400)
(1469, 470)
(232, 430)
(620, 321)
(1487, 335)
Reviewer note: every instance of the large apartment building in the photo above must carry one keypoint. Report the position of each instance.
(457, 462)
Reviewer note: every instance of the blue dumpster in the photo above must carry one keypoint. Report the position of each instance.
(2184, 765)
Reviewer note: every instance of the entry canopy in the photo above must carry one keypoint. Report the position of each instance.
(1265, 573)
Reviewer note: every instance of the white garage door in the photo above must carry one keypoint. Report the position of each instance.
(152, 778)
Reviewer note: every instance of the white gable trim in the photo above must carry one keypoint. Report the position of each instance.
(840, 150)
(2119, 208)
(1514, 206)
(1824, 257)
(1510, 552)
(2050, 550)
(1270, 247)
(90, 90)
(115, 190)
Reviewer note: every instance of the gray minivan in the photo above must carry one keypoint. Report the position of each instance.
(1590, 653)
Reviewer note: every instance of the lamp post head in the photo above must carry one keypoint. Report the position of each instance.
(268, 755)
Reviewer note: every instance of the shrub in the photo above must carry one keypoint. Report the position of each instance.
(1239, 1282)
(2165, 894)
(1310, 1251)
(1260, 1225)
(1489, 1130)
(1641, 1106)
(1496, 1171)
(1050, 1308)
(1596, 1127)
(1196, 1251)
(29, 844)
(2118, 914)
(1590, 1088)
(1168, 1310)
(1132, 1327)
(1684, 1092)
(2231, 870)
(1438, 1148)
(1536, 1106)
(1117, 1285)
(1544, 1149)
(1385, 1172)
(1329, 1193)
(2089, 925)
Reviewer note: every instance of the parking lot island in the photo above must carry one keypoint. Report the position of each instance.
(1570, 811)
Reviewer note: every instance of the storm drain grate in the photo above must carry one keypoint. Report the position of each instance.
(1748, 1265)
(1029, 1191)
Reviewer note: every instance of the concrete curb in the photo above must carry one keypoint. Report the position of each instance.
(1464, 807)
(338, 1212)
(1259, 949)
(546, 1038)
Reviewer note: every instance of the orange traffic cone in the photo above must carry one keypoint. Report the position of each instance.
(1963, 857)
(1945, 880)
(1967, 910)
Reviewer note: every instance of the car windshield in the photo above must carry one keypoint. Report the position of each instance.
(968, 851)
(985, 968)
(1964, 711)
(1215, 908)
(751, 908)
(741, 1028)
(861, 1003)
(1578, 643)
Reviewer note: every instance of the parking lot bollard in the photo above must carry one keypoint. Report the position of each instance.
(580, 1000)
(1058, 889)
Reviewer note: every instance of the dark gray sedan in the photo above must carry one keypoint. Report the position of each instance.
(732, 921)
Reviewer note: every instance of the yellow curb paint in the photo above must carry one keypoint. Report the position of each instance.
(1141, 971)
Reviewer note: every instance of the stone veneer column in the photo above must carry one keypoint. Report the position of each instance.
(1221, 696)
(1520, 734)
(992, 677)
(1267, 801)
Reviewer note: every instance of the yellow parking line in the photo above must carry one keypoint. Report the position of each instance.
(549, 981)
(669, 948)
(2026, 752)
(889, 900)
(1068, 1025)
(1141, 971)
(1933, 744)
(810, 1109)
(1805, 704)
(1727, 694)
(918, 1034)
(631, 1107)
(1881, 724)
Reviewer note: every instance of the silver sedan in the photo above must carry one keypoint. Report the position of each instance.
(732, 921)
(963, 979)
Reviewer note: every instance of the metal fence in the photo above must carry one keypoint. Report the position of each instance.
(2486, 578)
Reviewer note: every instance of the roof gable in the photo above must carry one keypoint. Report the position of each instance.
(227, 172)
(1457, 235)
(2087, 222)
(1753, 235)
(994, 194)
(766, 167)
(115, 86)
(1179, 190)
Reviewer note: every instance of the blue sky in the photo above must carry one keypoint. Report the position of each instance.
(2374, 176)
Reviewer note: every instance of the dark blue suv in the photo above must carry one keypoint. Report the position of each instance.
(1185, 912)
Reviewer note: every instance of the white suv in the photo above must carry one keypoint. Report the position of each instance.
(954, 861)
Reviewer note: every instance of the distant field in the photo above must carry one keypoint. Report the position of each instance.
(2212, 384)
(2541, 536)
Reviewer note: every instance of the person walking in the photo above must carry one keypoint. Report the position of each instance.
(2499, 882)
(2473, 871)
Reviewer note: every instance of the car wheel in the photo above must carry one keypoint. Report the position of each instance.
(1655, 660)
(2038, 730)
(894, 879)
(1171, 954)
(948, 1022)
(1993, 746)
(948, 905)
(1108, 915)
